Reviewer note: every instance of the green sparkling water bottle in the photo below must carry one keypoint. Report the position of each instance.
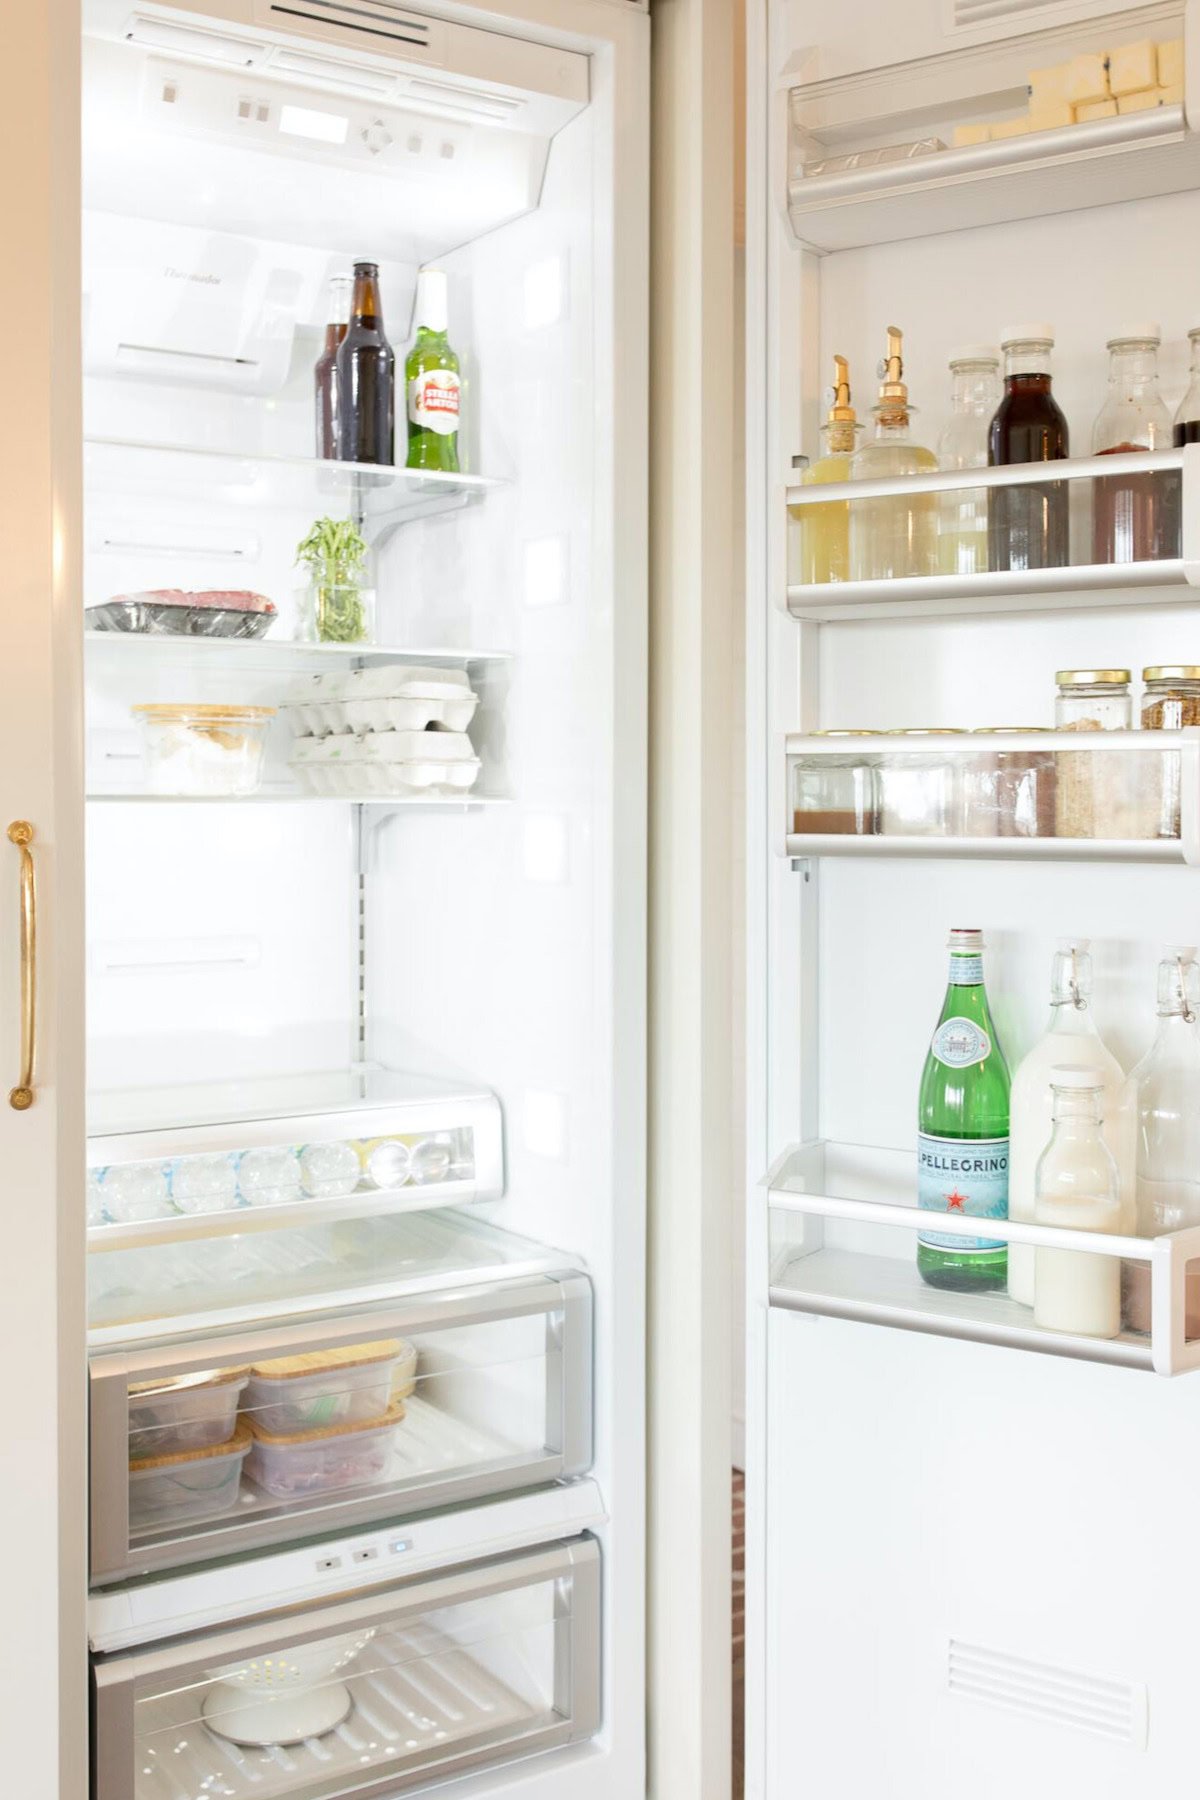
(962, 1143)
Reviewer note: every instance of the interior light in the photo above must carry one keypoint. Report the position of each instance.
(545, 571)
(306, 122)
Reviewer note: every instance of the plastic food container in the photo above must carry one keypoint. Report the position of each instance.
(186, 1412)
(388, 762)
(320, 1462)
(404, 1377)
(208, 750)
(322, 1388)
(398, 698)
(188, 1485)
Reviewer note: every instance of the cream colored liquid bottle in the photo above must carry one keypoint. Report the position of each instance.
(825, 530)
(1070, 1037)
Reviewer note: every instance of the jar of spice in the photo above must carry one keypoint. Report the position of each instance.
(1008, 793)
(1097, 794)
(838, 794)
(1171, 702)
(920, 790)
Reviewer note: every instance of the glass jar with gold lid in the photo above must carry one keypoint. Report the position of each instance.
(1093, 700)
(1007, 792)
(837, 793)
(920, 787)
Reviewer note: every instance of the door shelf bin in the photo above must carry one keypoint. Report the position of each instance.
(207, 1161)
(1079, 582)
(844, 1224)
(378, 1413)
(414, 1682)
(1056, 796)
(981, 76)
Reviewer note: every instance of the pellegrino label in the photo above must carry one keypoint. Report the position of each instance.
(959, 1043)
(433, 401)
(966, 971)
(968, 1177)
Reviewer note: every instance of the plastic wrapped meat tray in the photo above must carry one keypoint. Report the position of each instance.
(174, 612)
(396, 698)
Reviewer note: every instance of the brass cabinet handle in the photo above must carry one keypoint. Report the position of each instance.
(20, 833)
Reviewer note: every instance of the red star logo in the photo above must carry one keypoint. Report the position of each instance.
(956, 1202)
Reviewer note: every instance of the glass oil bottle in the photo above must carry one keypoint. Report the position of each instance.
(895, 535)
(825, 530)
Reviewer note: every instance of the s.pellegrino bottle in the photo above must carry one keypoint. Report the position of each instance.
(962, 1143)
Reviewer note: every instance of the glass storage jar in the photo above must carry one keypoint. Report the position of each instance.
(1171, 702)
(1008, 793)
(837, 794)
(1096, 795)
(920, 790)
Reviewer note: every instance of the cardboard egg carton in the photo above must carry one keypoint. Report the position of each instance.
(395, 697)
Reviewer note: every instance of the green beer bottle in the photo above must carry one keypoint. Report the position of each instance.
(432, 379)
(962, 1143)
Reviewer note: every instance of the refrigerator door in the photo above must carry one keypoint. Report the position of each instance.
(363, 1697)
(43, 1711)
(206, 1447)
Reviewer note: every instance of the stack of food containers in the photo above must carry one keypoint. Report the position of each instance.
(311, 1424)
(394, 730)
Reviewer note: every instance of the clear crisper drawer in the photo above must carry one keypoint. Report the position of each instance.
(361, 1697)
(849, 1240)
(204, 1447)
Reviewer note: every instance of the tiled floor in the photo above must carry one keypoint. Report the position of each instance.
(739, 1627)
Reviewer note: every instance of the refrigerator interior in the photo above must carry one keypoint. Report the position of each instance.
(287, 944)
(878, 1446)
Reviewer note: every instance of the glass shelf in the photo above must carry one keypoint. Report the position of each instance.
(264, 656)
(844, 1224)
(293, 797)
(144, 1293)
(383, 496)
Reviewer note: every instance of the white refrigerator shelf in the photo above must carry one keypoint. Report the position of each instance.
(1009, 590)
(844, 1222)
(1164, 780)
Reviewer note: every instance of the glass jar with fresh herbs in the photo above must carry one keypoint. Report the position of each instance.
(338, 606)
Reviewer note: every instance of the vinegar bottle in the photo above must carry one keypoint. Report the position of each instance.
(963, 512)
(895, 535)
(1029, 525)
(1135, 518)
(365, 376)
(825, 530)
(325, 372)
(1070, 1037)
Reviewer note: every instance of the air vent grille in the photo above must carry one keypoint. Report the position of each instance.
(1008, 17)
(363, 18)
(1117, 1710)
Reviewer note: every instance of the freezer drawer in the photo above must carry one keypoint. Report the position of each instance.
(362, 1696)
(206, 1446)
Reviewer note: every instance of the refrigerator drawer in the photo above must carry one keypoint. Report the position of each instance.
(360, 1697)
(208, 1446)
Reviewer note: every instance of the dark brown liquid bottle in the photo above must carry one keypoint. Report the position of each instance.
(366, 376)
(1029, 525)
(325, 370)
